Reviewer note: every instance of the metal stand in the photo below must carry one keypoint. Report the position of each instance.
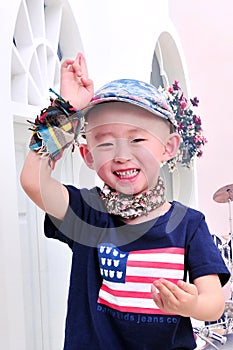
(231, 242)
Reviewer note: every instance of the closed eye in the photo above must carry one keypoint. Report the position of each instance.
(138, 140)
(105, 144)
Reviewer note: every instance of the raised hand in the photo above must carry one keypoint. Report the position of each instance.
(179, 298)
(75, 86)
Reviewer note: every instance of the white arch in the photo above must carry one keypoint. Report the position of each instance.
(168, 62)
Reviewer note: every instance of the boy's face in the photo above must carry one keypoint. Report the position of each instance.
(125, 146)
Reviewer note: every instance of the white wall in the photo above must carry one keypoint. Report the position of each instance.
(119, 37)
(205, 30)
(11, 303)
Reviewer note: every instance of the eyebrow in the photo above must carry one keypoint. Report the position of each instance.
(100, 134)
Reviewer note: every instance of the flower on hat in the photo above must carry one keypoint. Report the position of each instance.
(189, 126)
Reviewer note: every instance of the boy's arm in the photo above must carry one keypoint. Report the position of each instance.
(45, 191)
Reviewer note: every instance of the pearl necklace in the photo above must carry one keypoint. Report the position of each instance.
(132, 206)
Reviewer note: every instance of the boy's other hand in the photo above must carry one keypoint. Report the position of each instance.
(174, 298)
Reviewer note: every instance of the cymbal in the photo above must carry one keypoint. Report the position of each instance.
(224, 194)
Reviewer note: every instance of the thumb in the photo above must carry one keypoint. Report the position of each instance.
(187, 287)
(88, 83)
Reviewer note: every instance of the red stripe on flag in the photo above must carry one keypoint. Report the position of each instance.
(143, 279)
(171, 250)
(126, 294)
(140, 310)
(155, 265)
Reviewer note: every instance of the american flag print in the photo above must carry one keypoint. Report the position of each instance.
(127, 276)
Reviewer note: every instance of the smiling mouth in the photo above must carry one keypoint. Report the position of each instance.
(126, 174)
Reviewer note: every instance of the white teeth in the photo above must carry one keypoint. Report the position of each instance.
(127, 173)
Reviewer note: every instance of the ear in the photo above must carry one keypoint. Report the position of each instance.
(171, 147)
(87, 156)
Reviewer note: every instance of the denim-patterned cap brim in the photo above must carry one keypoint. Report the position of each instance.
(136, 92)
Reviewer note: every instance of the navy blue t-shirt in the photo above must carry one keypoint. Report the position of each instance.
(114, 265)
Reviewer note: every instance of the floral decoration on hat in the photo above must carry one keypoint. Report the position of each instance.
(189, 126)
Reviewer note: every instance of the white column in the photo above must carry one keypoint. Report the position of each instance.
(12, 331)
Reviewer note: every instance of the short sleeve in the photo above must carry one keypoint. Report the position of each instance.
(52, 230)
(203, 256)
(84, 220)
(63, 230)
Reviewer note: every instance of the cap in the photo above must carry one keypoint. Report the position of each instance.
(136, 92)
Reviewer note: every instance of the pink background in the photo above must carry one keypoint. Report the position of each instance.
(206, 33)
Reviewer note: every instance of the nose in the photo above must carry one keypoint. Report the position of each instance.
(122, 151)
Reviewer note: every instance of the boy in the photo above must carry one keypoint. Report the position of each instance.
(132, 250)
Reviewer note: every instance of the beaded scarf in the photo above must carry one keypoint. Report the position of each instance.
(132, 206)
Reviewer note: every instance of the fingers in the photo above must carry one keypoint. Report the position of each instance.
(80, 65)
(164, 295)
(171, 297)
(177, 290)
(187, 287)
(167, 289)
(156, 297)
(67, 64)
(87, 83)
(169, 293)
(77, 66)
(154, 292)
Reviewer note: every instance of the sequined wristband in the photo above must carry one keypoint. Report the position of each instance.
(56, 128)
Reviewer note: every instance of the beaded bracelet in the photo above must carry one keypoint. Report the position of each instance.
(56, 128)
